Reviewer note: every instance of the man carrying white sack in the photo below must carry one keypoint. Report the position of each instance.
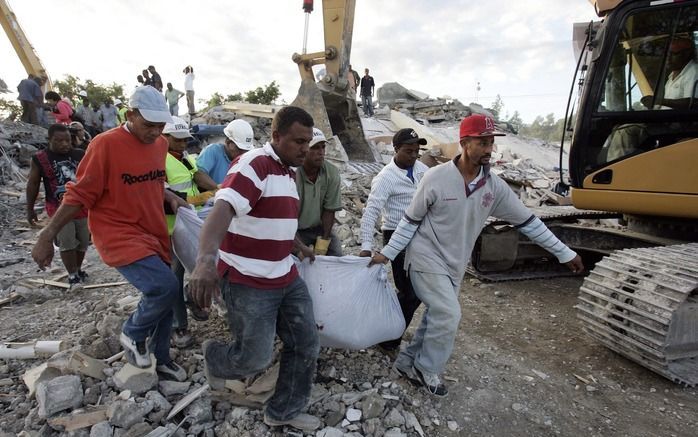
(439, 230)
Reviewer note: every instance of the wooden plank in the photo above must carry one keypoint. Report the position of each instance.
(11, 193)
(9, 299)
(79, 421)
(50, 282)
(105, 285)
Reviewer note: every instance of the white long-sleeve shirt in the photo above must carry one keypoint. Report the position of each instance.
(391, 194)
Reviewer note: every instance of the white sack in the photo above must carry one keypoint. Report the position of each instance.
(185, 237)
(355, 306)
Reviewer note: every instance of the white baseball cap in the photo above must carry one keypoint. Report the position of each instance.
(240, 132)
(118, 102)
(151, 104)
(178, 129)
(82, 93)
(318, 137)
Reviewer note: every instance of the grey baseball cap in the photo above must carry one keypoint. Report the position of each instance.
(151, 104)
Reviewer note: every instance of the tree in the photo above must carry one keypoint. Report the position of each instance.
(10, 109)
(237, 97)
(264, 96)
(515, 120)
(216, 99)
(97, 93)
(497, 106)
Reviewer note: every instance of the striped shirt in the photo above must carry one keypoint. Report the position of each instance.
(256, 250)
(391, 194)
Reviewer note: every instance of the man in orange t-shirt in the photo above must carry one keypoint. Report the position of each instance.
(120, 181)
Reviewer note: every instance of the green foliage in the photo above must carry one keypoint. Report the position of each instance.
(70, 86)
(10, 109)
(497, 106)
(515, 120)
(546, 129)
(264, 96)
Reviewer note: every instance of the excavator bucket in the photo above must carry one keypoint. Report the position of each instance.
(335, 114)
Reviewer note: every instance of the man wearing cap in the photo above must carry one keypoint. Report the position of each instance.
(391, 193)
(439, 229)
(215, 159)
(318, 183)
(121, 181)
(79, 136)
(120, 111)
(185, 178)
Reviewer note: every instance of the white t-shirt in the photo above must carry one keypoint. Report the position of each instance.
(681, 86)
(189, 82)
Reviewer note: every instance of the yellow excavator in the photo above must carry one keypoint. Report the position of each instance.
(25, 52)
(332, 100)
(634, 151)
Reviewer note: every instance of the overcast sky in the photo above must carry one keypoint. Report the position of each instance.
(518, 49)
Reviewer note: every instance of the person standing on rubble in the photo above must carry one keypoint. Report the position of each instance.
(125, 198)
(392, 190)
(28, 89)
(439, 229)
(172, 96)
(189, 89)
(318, 185)
(183, 177)
(215, 159)
(255, 217)
(109, 115)
(155, 78)
(368, 86)
(55, 167)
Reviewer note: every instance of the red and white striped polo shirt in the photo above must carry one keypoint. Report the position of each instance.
(257, 248)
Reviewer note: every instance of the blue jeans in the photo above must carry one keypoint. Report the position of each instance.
(179, 308)
(367, 104)
(432, 344)
(254, 317)
(153, 316)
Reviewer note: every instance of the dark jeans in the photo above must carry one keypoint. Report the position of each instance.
(179, 309)
(153, 316)
(309, 235)
(28, 112)
(254, 316)
(409, 302)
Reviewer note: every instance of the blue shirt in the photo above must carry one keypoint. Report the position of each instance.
(28, 90)
(214, 161)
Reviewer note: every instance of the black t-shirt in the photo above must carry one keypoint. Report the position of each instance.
(64, 166)
(366, 85)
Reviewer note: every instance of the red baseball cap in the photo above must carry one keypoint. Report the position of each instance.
(478, 125)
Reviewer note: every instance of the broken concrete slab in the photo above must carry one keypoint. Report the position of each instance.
(200, 410)
(161, 404)
(102, 429)
(125, 414)
(136, 379)
(170, 388)
(76, 421)
(59, 394)
(38, 374)
(77, 362)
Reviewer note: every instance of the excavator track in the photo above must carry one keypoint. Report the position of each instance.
(643, 304)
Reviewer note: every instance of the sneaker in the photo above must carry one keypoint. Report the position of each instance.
(216, 383)
(181, 338)
(431, 382)
(137, 352)
(172, 371)
(304, 422)
(75, 283)
(407, 373)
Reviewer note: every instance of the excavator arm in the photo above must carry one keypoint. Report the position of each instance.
(332, 101)
(26, 53)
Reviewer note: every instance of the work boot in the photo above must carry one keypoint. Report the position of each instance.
(137, 352)
(181, 338)
(216, 383)
(304, 422)
(408, 373)
(172, 371)
(431, 382)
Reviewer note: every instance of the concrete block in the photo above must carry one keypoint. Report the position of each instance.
(136, 379)
(200, 410)
(59, 394)
(125, 414)
(102, 429)
(169, 388)
(161, 404)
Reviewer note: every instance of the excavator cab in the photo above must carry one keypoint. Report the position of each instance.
(331, 100)
(636, 134)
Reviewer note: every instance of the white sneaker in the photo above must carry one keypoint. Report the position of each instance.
(172, 371)
(303, 421)
(137, 353)
(431, 382)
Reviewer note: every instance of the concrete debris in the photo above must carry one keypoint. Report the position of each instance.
(135, 379)
(59, 394)
(125, 414)
(170, 388)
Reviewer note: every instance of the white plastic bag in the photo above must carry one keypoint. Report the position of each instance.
(185, 237)
(355, 306)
